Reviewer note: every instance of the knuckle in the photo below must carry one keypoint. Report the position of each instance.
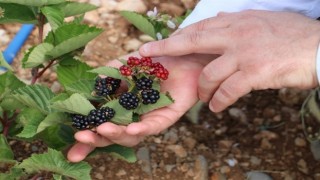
(207, 74)
(226, 93)
(194, 39)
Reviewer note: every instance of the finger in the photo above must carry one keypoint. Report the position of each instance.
(91, 138)
(79, 151)
(220, 21)
(206, 42)
(117, 134)
(213, 75)
(234, 87)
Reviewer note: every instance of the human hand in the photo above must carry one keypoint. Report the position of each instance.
(259, 50)
(182, 83)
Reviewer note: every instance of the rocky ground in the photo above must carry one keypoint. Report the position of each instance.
(261, 134)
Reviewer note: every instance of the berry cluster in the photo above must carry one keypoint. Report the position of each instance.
(106, 86)
(135, 66)
(93, 119)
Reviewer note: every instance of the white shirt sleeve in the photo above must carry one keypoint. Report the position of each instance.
(210, 8)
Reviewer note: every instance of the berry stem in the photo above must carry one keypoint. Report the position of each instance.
(39, 74)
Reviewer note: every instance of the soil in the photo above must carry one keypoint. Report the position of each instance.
(261, 133)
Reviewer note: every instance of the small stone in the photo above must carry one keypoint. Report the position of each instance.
(172, 8)
(132, 45)
(265, 144)
(255, 161)
(169, 167)
(184, 167)
(178, 150)
(238, 114)
(121, 172)
(221, 131)
(225, 144)
(201, 168)
(300, 142)
(218, 176)
(143, 154)
(102, 168)
(129, 5)
(98, 176)
(266, 134)
(269, 112)
(254, 175)
(188, 4)
(189, 142)
(302, 166)
(225, 169)
(157, 140)
(113, 39)
(171, 136)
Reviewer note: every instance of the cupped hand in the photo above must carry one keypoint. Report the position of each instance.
(259, 50)
(181, 84)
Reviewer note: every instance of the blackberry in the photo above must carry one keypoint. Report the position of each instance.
(99, 116)
(129, 100)
(150, 96)
(144, 83)
(106, 86)
(79, 121)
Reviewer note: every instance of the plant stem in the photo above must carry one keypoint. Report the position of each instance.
(39, 74)
(6, 124)
(41, 21)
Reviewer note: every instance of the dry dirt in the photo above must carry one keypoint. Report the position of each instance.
(260, 133)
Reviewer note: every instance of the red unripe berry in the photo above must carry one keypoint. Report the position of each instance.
(146, 61)
(133, 61)
(125, 70)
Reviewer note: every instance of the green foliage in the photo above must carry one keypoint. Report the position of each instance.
(54, 15)
(141, 22)
(121, 152)
(54, 161)
(11, 13)
(3, 62)
(6, 152)
(37, 55)
(34, 2)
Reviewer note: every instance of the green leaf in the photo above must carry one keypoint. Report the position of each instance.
(15, 173)
(35, 96)
(141, 22)
(54, 15)
(71, 74)
(164, 100)
(121, 152)
(75, 8)
(194, 113)
(5, 149)
(15, 13)
(83, 87)
(60, 97)
(30, 120)
(70, 37)
(10, 103)
(8, 83)
(108, 71)
(3, 62)
(54, 161)
(51, 120)
(37, 55)
(122, 116)
(57, 136)
(76, 104)
(34, 2)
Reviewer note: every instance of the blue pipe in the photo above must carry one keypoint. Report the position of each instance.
(15, 45)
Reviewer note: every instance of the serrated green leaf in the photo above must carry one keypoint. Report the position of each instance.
(121, 152)
(71, 74)
(51, 120)
(3, 62)
(60, 97)
(54, 161)
(5, 149)
(141, 22)
(35, 96)
(30, 120)
(76, 104)
(57, 177)
(83, 87)
(122, 116)
(164, 100)
(70, 37)
(108, 71)
(10, 103)
(57, 136)
(34, 2)
(15, 173)
(37, 55)
(75, 8)
(15, 13)
(8, 83)
(54, 15)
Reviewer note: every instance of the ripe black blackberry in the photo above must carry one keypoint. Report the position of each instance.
(79, 121)
(106, 86)
(129, 100)
(150, 96)
(99, 116)
(144, 83)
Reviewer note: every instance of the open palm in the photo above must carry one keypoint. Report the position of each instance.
(182, 85)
